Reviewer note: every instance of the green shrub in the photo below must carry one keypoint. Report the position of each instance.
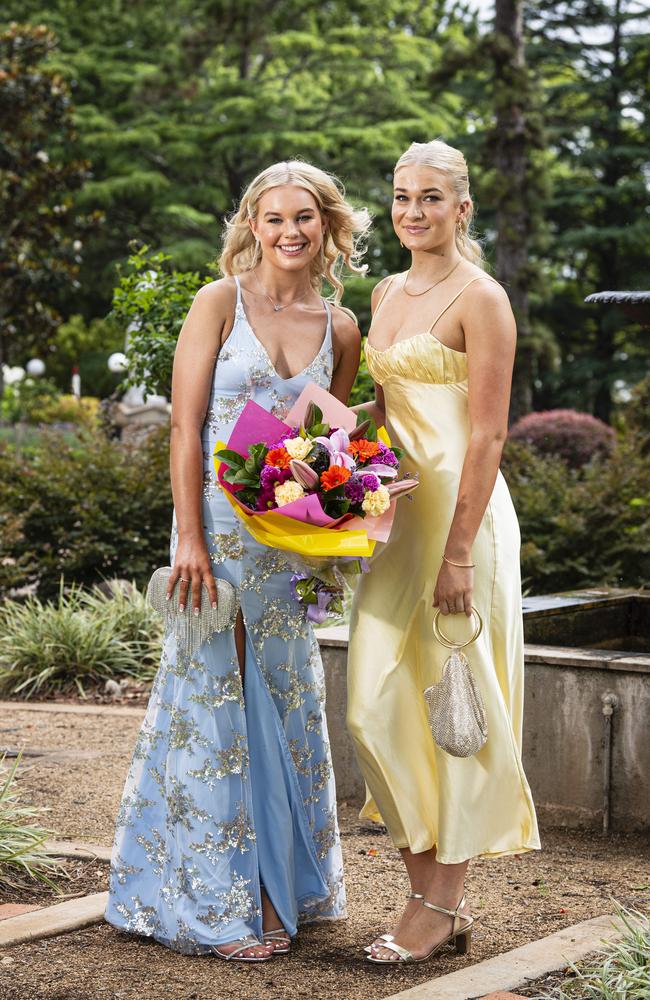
(22, 838)
(80, 641)
(84, 508)
(581, 528)
(87, 345)
(151, 301)
(26, 401)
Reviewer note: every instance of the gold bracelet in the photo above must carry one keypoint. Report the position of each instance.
(459, 565)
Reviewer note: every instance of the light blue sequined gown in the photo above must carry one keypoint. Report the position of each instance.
(229, 788)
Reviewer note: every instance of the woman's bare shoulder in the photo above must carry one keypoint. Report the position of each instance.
(217, 294)
(345, 328)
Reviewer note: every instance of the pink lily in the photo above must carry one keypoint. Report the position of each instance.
(303, 473)
(337, 446)
(402, 488)
(379, 470)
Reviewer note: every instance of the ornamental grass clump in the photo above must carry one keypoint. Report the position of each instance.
(22, 852)
(621, 971)
(577, 438)
(77, 642)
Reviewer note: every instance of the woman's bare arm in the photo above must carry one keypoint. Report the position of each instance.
(346, 340)
(198, 345)
(376, 408)
(490, 338)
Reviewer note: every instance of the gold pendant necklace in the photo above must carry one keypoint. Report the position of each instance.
(277, 308)
(438, 282)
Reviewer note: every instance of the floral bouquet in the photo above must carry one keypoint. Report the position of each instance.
(321, 485)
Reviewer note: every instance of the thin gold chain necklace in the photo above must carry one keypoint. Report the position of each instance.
(277, 308)
(438, 282)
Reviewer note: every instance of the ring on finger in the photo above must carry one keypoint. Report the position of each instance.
(183, 580)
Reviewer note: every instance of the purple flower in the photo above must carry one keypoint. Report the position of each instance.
(354, 489)
(266, 499)
(371, 482)
(294, 432)
(269, 476)
(386, 456)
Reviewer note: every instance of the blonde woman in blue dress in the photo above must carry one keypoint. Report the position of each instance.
(227, 835)
(440, 350)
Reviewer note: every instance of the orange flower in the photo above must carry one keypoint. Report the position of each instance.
(335, 476)
(363, 449)
(278, 457)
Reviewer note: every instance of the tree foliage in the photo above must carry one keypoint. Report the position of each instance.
(40, 225)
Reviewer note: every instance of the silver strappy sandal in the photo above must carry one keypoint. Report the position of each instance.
(389, 937)
(280, 939)
(244, 945)
(461, 935)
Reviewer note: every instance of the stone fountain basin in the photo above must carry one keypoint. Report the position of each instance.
(590, 619)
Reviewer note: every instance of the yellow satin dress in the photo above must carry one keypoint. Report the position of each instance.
(465, 807)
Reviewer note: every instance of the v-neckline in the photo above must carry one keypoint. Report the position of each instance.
(268, 356)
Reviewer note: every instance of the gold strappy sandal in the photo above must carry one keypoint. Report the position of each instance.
(461, 935)
(390, 937)
(280, 939)
(236, 954)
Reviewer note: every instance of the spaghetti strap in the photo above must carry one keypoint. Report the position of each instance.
(328, 329)
(237, 282)
(477, 277)
(383, 294)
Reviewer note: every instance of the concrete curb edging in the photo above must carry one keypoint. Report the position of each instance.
(77, 849)
(57, 919)
(516, 968)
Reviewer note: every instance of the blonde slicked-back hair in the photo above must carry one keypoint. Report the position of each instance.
(343, 238)
(438, 155)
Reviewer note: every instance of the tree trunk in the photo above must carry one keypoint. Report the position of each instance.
(609, 269)
(511, 162)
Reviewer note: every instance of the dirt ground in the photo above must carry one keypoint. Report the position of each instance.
(516, 900)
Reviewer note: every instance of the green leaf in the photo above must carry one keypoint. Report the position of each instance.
(231, 458)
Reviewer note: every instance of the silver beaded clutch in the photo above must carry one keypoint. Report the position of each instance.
(190, 630)
(457, 716)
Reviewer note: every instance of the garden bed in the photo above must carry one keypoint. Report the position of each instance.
(76, 877)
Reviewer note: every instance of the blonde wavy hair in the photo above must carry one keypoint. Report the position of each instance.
(343, 242)
(438, 155)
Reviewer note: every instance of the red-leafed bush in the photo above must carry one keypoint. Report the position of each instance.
(574, 437)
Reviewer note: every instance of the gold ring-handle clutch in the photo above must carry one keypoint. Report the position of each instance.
(442, 638)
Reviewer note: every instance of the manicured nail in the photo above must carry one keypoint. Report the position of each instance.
(168, 597)
(181, 607)
(196, 612)
(214, 605)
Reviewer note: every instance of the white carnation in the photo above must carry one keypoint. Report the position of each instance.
(298, 447)
(288, 492)
(376, 502)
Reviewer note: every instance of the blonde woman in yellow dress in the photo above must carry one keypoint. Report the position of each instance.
(441, 350)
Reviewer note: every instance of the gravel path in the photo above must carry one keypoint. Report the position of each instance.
(516, 899)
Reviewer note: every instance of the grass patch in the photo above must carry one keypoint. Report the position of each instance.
(22, 854)
(77, 642)
(620, 972)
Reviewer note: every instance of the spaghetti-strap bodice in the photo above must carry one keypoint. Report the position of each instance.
(421, 357)
(245, 371)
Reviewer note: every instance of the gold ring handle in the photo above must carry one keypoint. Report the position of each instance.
(442, 638)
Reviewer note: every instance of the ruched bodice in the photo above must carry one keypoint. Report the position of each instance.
(422, 358)
(463, 807)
